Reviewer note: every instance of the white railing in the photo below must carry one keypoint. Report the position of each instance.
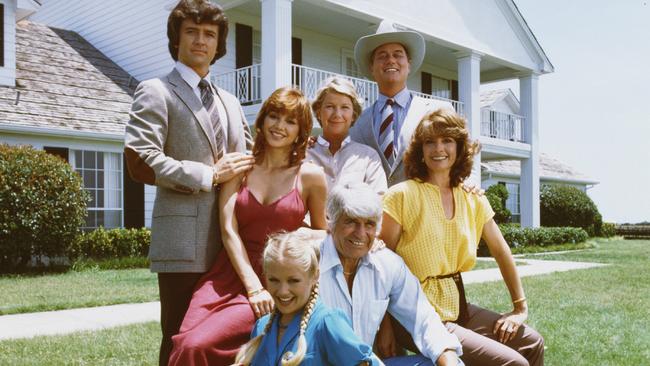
(458, 106)
(503, 126)
(244, 83)
(309, 80)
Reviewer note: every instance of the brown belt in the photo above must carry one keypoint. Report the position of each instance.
(463, 313)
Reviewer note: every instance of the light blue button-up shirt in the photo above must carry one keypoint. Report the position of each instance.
(383, 282)
(400, 109)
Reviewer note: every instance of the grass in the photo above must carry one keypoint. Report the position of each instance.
(595, 316)
(130, 345)
(91, 287)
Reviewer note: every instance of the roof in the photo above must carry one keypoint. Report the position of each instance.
(551, 169)
(491, 97)
(64, 84)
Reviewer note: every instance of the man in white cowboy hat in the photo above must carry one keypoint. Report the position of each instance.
(388, 57)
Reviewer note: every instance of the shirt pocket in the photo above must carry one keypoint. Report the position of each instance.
(376, 309)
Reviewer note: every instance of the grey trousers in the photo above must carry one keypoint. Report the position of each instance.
(480, 346)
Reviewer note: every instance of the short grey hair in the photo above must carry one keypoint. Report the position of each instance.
(356, 200)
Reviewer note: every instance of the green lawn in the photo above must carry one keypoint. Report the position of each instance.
(32, 293)
(596, 316)
(131, 345)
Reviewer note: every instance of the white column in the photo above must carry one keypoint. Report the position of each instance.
(469, 83)
(529, 190)
(276, 45)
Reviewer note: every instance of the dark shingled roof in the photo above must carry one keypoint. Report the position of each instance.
(63, 82)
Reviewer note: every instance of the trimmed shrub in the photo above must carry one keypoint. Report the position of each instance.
(108, 244)
(608, 229)
(497, 195)
(518, 237)
(562, 205)
(42, 205)
(542, 236)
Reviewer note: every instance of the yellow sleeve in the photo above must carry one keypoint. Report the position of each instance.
(484, 213)
(394, 203)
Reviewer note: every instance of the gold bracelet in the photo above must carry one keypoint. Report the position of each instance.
(255, 292)
(519, 300)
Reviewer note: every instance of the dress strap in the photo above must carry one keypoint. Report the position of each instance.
(295, 180)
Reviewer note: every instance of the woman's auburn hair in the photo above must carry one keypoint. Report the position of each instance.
(441, 122)
(291, 102)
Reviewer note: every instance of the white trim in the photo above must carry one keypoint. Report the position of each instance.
(41, 131)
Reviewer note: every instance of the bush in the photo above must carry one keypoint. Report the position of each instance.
(542, 236)
(562, 205)
(607, 230)
(497, 195)
(518, 237)
(42, 205)
(109, 244)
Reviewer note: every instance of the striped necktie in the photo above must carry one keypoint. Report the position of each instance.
(386, 134)
(207, 98)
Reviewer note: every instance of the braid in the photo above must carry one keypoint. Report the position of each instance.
(248, 351)
(289, 359)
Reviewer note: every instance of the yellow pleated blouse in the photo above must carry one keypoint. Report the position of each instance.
(431, 245)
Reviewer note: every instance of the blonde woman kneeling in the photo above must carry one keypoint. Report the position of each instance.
(301, 330)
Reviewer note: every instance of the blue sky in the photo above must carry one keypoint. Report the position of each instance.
(595, 107)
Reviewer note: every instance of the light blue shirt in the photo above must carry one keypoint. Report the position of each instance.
(400, 109)
(383, 282)
(330, 340)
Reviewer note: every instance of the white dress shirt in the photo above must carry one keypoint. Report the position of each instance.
(383, 282)
(192, 79)
(353, 162)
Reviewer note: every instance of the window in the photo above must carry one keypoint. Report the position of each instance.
(348, 65)
(512, 203)
(101, 173)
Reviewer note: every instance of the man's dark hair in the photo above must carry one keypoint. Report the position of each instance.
(199, 11)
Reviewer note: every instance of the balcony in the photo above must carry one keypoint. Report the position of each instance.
(502, 126)
(245, 84)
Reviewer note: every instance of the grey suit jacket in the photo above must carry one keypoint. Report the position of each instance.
(169, 143)
(363, 132)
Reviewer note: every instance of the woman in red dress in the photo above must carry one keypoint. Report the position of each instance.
(274, 196)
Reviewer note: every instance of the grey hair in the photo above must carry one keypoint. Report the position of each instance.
(356, 200)
(342, 86)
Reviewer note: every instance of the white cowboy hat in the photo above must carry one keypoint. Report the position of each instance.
(389, 32)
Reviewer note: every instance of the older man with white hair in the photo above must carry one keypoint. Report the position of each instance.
(365, 284)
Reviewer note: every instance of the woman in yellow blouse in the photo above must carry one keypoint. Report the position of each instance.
(435, 226)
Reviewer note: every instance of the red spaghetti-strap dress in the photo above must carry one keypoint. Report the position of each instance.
(219, 319)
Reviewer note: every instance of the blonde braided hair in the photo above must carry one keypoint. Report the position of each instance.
(289, 358)
(302, 248)
(248, 350)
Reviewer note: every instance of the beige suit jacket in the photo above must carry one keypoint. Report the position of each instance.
(169, 142)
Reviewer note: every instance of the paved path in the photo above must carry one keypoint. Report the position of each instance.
(86, 319)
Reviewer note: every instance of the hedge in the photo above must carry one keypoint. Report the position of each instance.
(497, 195)
(518, 237)
(42, 205)
(562, 205)
(109, 244)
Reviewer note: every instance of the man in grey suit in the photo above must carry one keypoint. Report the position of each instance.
(186, 136)
(388, 56)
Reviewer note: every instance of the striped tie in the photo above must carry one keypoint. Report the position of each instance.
(207, 98)
(386, 134)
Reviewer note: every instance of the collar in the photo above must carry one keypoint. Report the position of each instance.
(330, 257)
(321, 141)
(190, 76)
(401, 99)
